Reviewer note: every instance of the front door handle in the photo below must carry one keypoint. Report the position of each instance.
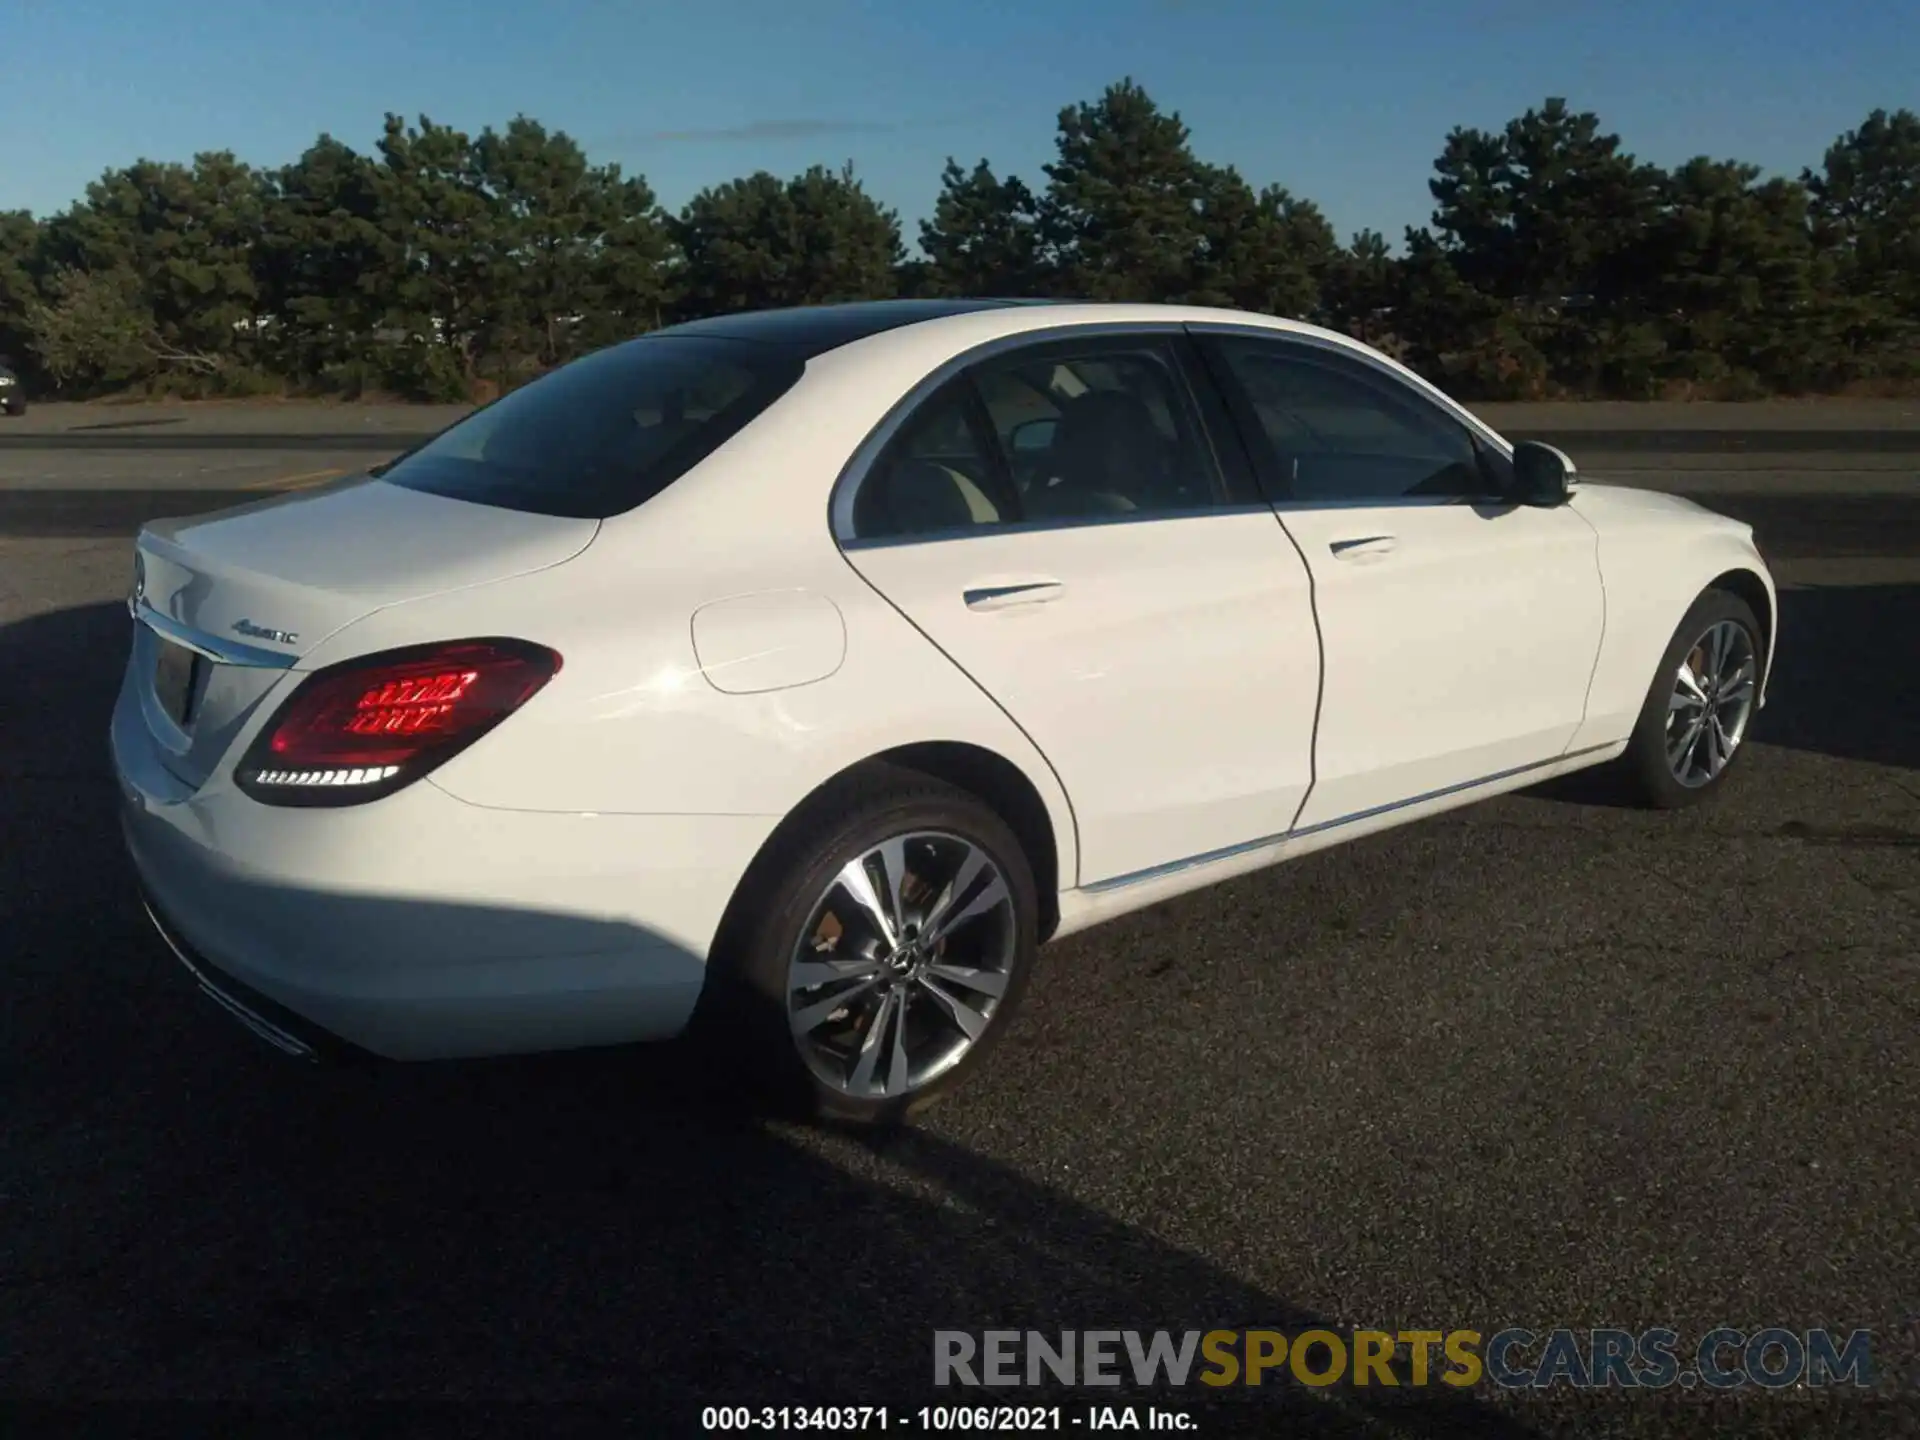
(1362, 546)
(1001, 597)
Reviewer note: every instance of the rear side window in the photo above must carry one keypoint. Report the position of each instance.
(939, 476)
(1098, 431)
(606, 433)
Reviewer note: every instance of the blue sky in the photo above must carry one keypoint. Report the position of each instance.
(1346, 103)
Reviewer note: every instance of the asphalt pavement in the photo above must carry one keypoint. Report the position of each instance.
(1543, 1062)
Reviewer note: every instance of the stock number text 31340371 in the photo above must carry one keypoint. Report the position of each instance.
(934, 1418)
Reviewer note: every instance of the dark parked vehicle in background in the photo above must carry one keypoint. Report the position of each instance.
(12, 401)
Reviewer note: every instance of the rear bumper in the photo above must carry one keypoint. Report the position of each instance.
(421, 927)
(287, 1032)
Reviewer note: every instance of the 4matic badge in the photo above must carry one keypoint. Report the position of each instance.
(261, 632)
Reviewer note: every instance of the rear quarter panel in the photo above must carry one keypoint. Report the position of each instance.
(633, 723)
(1657, 553)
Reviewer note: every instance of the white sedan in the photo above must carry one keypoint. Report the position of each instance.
(790, 677)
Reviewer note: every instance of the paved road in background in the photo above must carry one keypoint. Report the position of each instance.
(1542, 1062)
(71, 470)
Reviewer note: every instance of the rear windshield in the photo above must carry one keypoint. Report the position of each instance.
(607, 432)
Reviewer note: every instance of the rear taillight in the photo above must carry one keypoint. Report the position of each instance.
(366, 727)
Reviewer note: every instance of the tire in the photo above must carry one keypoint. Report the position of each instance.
(755, 1010)
(1647, 768)
(16, 407)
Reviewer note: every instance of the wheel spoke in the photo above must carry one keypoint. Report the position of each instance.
(858, 884)
(964, 874)
(893, 870)
(989, 897)
(984, 982)
(1722, 744)
(971, 1021)
(808, 973)
(812, 1017)
(1685, 767)
(861, 1080)
(1679, 751)
(897, 1068)
(1690, 685)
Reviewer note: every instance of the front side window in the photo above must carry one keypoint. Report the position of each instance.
(605, 433)
(1338, 434)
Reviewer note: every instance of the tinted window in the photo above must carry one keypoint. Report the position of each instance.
(937, 475)
(1098, 432)
(607, 432)
(1340, 432)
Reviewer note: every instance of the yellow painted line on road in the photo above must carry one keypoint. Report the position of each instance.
(297, 482)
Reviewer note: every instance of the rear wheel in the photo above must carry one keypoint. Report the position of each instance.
(888, 940)
(1700, 707)
(16, 407)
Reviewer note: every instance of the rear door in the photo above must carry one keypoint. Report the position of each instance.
(1060, 521)
(1460, 629)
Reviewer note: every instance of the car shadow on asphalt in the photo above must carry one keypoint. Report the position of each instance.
(1848, 682)
(202, 1217)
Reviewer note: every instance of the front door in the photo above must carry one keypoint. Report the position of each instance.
(1460, 630)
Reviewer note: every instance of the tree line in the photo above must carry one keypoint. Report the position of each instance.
(444, 265)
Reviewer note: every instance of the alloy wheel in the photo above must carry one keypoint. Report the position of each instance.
(904, 959)
(1712, 702)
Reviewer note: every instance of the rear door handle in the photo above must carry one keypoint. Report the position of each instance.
(1001, 597)
(1362, 546)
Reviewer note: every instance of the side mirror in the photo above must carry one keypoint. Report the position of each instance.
(1031, 436)
(1542, 475)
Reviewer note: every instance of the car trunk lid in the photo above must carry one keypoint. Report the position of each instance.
(230, 602)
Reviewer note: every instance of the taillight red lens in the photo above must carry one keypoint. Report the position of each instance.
(366, 727)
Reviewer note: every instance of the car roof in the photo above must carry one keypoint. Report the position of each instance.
(809, 331)
(815, 329)
(921, 344)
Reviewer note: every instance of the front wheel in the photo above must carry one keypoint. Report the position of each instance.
(1700, 706)
(890, 937)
